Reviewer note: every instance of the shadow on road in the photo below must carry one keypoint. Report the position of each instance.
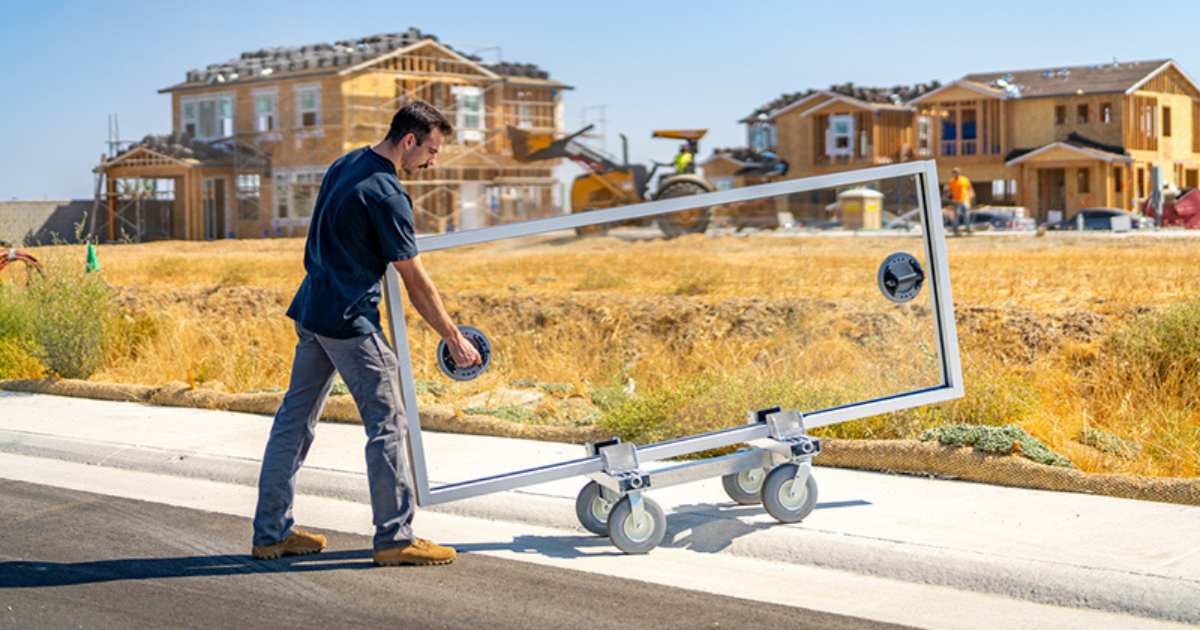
(26, 574)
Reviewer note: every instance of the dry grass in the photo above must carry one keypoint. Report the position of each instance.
(1036, 321)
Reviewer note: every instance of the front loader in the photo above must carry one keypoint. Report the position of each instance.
(608, 184)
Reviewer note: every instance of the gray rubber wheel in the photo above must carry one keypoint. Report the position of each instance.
(783, 500)
(635, 536)
(745, 487)
(592, 507)
(694, 221)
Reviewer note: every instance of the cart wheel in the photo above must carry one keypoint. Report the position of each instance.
(592, 507)
(636, 535)
(745, 487)
(783, 500)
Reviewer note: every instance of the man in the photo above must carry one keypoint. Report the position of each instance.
(961, 194)
(362, 222)
(683, 160)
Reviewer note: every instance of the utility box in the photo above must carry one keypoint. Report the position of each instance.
(861, 208)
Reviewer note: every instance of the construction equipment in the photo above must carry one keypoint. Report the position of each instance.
(608, 183)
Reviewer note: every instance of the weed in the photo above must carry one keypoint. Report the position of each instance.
(1110, 443)
(560, 389)
(70, 315)
(1164, 342)
(1003, 439)
(706, 403)
(504, 412)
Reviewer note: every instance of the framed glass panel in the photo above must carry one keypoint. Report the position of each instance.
(841, 320)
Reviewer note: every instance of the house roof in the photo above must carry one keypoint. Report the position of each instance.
(750, 161)
(185, 150)
(1085, 150)
(272, 63)
(1105, 78)
(853, 102)
(896, 95)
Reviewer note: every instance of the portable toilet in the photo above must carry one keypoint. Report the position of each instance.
(861, 208)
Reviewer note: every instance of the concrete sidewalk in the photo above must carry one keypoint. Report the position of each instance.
(1100, 553)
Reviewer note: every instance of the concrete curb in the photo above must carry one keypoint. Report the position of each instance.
(337, 408)
(971, 464)
(895, 456)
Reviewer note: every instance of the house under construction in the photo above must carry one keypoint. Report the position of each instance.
(252, 138)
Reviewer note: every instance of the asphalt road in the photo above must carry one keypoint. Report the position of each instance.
(76, 560)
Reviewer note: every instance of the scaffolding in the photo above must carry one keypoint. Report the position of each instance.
(265, 181)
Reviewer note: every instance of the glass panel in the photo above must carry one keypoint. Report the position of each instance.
(308, 100)
(657, 339)
(208, 119)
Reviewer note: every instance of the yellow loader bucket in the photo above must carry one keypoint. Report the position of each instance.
(526, 143)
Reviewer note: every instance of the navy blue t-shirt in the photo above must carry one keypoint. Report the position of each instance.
(362, 222)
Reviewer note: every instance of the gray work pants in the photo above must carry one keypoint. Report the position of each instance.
(368, 367)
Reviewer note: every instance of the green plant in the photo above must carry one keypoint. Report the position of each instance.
(16, 336)
(430, 387)
(1003, 439)
(557, 388)
(71, 314)
(705, 403)
(1110, 443)
(1162, 343)
(504, 412)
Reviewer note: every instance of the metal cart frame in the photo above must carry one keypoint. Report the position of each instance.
(612, 503)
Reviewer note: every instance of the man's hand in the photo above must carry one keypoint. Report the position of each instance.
(462, 351)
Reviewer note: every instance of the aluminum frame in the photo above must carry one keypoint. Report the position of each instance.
(938, 280)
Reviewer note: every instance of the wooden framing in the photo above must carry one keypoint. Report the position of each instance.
(1003, 127)
(289, 113)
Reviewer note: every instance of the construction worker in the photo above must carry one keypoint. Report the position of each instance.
(683, 161)
(961, 196)
(362, 222)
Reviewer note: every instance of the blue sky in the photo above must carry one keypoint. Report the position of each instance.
(66, 65)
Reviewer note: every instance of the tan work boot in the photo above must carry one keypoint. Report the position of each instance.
(297, 544)
(420, 552)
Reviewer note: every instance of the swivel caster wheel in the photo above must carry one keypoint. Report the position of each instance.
(786, 500)
(593, 506)
(745, 487)
(636, 535)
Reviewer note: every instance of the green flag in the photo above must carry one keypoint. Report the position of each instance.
(93, 263)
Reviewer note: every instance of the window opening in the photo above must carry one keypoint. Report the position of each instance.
(264, 112)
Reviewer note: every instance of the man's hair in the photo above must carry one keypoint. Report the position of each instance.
(420, 119)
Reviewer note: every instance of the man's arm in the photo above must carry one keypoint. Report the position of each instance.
(425, 298)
